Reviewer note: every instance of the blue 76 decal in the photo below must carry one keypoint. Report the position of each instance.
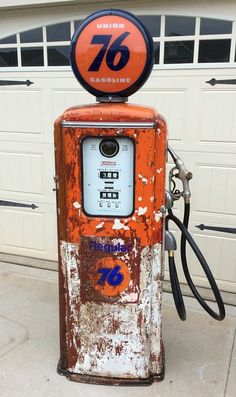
(112, 276)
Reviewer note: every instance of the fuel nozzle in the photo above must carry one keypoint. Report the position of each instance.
(180, 172)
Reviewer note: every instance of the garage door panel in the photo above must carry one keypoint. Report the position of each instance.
(218, 116)
(29, 232)
(22, 172)
(213, 203)
(64, 99)
(215, 187)
(196, 119)
(27, 173)
(201, 121)
(218, 248)
(220, 253)
(171, 104)
(21, 111)
(27, 113)
(26, 231)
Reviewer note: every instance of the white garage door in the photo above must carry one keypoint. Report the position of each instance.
(201, 119)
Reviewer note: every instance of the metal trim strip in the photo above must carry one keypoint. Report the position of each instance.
(105, 124)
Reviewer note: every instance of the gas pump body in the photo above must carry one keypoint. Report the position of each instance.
(113, 211)
(110, 236)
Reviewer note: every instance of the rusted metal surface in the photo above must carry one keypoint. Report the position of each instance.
(111, 333)
(102, 380)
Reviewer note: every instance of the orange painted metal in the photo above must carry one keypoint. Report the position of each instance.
(144, 226)
(150, 167)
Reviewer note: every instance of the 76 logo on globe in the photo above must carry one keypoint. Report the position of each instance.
(111, 53)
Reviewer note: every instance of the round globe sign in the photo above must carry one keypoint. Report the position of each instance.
(112, 53)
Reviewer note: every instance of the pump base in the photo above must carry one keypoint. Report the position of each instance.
(100, 380)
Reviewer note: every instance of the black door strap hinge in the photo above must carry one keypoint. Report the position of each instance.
(5, 203)
(214, 81)
(12, 82)
(231, 230)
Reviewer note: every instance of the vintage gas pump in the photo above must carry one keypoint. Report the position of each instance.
(112, 211)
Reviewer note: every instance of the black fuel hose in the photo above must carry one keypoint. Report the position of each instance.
(186, 237)
(175, 286)
(174, 281)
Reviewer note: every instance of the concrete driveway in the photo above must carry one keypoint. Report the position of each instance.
(200, 353)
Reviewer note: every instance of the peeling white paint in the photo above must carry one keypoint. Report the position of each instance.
(134, 218)
(76, 204)
(69, 264)
(100, 226)
(140, 198)
(132, 297)
(159, 170)
(152, 199)
(117, 241)
(144, 180)
(134, 349)
(142, 210)
(157, 216)
(156, 319)
(119, 225)
(112, 364)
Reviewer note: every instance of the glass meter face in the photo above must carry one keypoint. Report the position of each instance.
(108, 176)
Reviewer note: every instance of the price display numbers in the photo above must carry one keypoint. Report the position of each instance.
(112, 53)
